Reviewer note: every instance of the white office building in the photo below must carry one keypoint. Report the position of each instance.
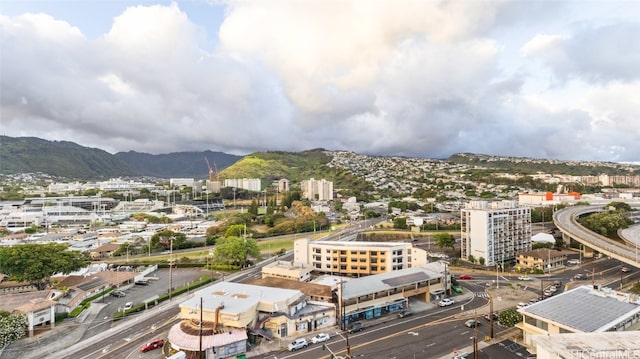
(496, 231)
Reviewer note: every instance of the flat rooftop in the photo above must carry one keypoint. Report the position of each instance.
(355, 245)
(356, 287)
(584, 309)
(590, 345)
(237, 297)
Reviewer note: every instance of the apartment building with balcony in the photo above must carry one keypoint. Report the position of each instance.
(357, 258)
(496, 231)
(317, 190)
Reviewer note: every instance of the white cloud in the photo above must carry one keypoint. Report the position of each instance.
(415, 78)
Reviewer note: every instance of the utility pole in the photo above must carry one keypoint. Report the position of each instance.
(491, 314)
(200, 332)
(475, 336)
(170, 268)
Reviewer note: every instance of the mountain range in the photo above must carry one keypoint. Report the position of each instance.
(70, 160)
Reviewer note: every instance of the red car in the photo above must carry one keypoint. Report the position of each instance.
(154, 344)
(465, 276)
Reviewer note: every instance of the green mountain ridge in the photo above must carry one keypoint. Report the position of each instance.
(58, 158)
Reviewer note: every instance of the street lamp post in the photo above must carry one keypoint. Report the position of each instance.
(211, 264)
(170, 268)
(445, 280)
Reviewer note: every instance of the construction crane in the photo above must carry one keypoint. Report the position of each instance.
(210, 169)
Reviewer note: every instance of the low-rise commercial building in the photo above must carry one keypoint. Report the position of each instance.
(377, 295)
(288, 270)
(263, 312)
(581, 310)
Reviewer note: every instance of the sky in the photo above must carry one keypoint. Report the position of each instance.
(539, 79)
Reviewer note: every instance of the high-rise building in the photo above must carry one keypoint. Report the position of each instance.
(496, 231)
(317, 190)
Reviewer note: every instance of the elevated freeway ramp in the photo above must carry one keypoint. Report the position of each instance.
(567, 222)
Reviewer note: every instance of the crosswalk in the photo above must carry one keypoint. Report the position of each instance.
(481, 294)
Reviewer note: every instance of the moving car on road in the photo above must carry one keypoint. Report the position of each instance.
(405, 313)
(445, 302)
(525, 278)
(355, 327)
(154, 344)
(118, 294)
(471, 323)
(320, 337)
(465, 276)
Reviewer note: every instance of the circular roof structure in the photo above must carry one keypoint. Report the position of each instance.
(543, 238)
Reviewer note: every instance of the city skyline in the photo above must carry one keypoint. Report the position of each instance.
(404, 78)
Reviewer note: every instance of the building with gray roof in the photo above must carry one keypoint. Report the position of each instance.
(376, 295)
(585, 309)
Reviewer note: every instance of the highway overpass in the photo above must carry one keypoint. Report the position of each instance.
(567, 222)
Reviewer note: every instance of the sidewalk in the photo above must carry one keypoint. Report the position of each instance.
(415, 305)
(47, 344)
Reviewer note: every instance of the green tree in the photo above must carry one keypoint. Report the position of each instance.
(236, 251)
(444, 240)
(164, 238)
(400, 223)
(36, 263)
(471, 258)
(509, 318)
(253, 207)
(236, 230)
(12, 327)
(481, 260)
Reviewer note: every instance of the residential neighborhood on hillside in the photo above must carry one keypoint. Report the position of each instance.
(431, 234)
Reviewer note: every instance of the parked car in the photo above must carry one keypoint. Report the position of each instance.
(524, 277)
(445, 302)
(127, 306)
(488, 316)
(625, 270)
(405, 313)
(118, 294)
(355, 327)
(465, 276)
(154, 344)
(320, 337)
(471, 323)
(142, 282)
(463, 355)
(573, 262)
(299, 343)
(522, 305)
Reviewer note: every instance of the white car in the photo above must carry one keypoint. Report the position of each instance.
(298, 344)
(319, 338)
(525, 278)
(128, 306)
(445, 302)
(522, 305)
